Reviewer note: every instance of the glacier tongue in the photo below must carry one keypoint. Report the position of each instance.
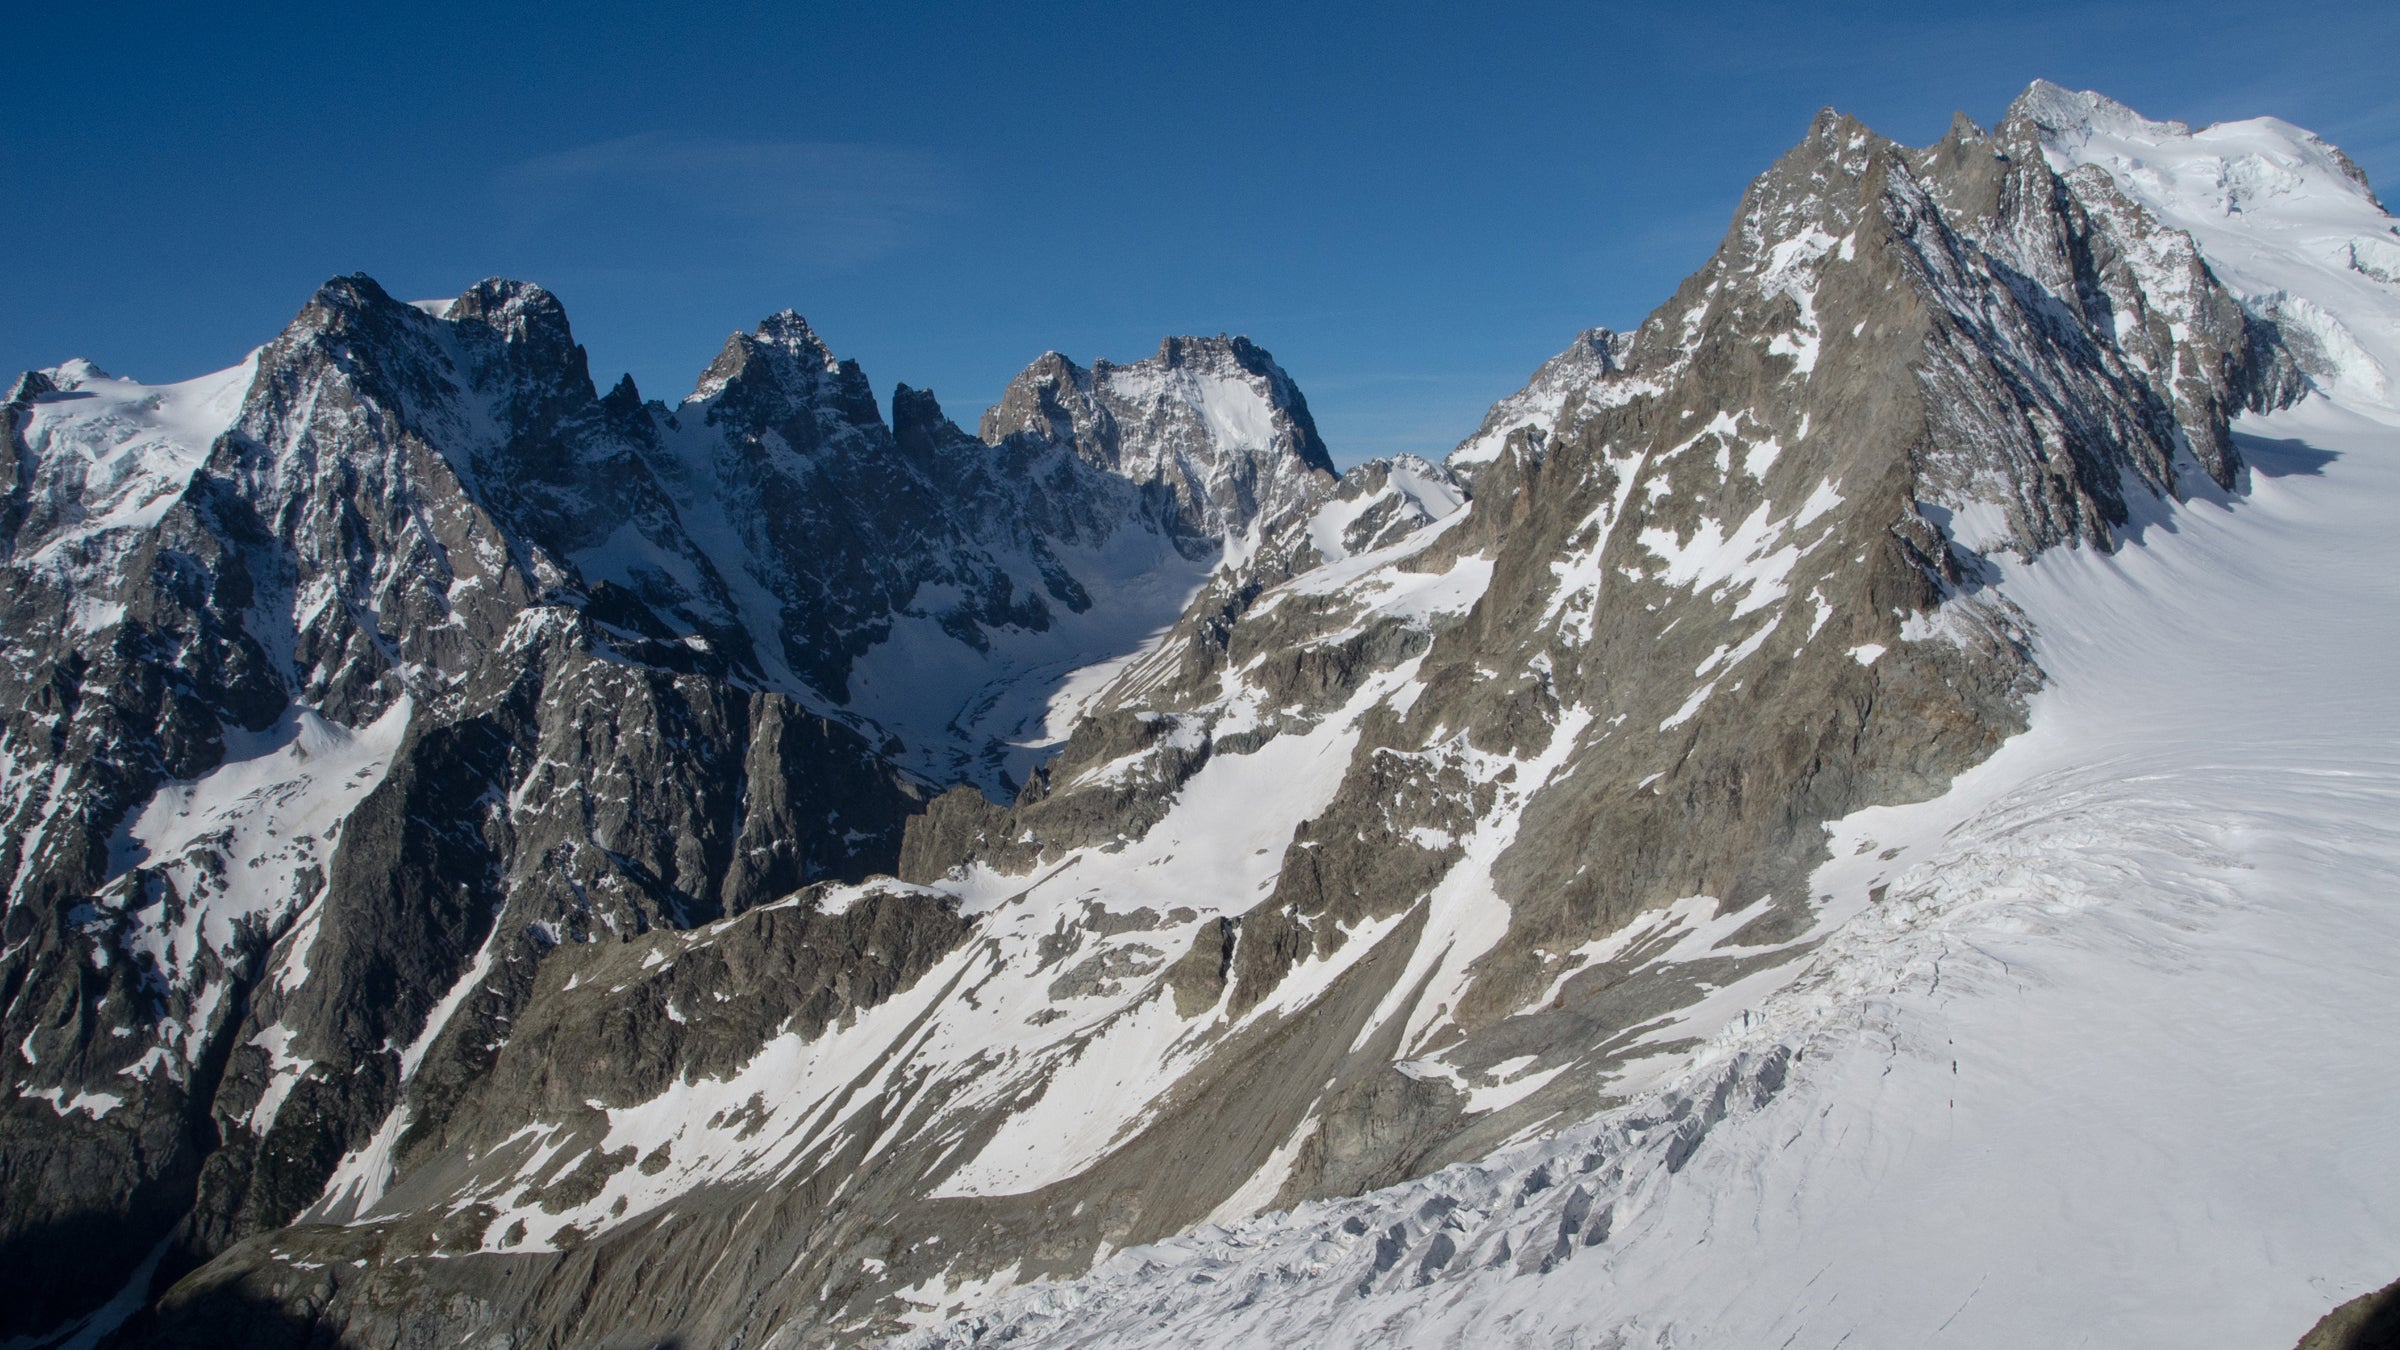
(2084, 1046)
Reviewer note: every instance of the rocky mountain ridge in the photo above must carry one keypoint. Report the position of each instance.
(2100, 995)
(352, 682)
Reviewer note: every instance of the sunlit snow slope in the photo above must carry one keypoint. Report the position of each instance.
(2094, 1049)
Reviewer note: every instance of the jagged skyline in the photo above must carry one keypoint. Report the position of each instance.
(1441, 204)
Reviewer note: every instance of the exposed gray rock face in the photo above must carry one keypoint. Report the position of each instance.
(1734, 590)
(1734, 586)
(319, 739)
(349, 686)
(580, 1019)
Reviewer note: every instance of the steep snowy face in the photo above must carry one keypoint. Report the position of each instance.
(2285, 221)
(2173, 833)
(105, 457)
(1381, 503)
(1213, 424)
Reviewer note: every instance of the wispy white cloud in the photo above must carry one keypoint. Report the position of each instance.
(655, 198)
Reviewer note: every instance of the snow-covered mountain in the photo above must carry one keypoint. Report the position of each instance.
(2078, 1049)
(1841, 769)
(346, 684)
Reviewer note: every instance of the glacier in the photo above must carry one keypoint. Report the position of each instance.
(2084, 1050)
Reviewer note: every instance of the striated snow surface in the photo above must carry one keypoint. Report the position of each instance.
(2089, 1050)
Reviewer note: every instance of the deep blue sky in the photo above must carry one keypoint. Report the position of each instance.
(1410, 205)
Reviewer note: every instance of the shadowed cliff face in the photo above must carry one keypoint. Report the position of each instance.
(447, 828)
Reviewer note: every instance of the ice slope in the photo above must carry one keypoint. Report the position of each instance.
(2282, 217)
(2089, 1051)
(114, 454)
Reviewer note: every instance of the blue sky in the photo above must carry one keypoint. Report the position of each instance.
(1411, 206)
